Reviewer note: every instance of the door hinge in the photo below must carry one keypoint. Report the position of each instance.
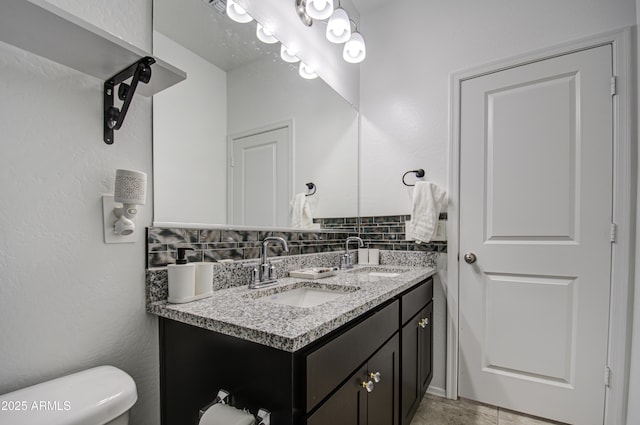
(232, 162)
(614, 86)
(613, 232)
(607, 376)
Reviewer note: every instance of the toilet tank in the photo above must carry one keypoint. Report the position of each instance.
(90, 397)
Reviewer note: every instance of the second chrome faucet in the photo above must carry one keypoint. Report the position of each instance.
(346, 262)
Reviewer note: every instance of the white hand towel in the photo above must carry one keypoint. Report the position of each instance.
(428, 200)
(300, 216)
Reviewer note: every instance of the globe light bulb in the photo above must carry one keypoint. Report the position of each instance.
(237, 13)
(339, 27)
(307, 72)
(354, 50)
(319, 9)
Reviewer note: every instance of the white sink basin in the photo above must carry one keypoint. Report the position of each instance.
(384, 274)
(378, 271)
(304, 296)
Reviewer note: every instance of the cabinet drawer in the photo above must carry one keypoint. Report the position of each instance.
(330, 364)
(414, 300)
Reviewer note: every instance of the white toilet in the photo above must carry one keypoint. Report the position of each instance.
(99, 396)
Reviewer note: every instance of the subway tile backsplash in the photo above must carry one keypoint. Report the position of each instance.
(382, 232)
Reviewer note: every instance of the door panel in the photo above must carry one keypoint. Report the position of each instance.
(417, 362)
(532, 135)
(535, 209)
(260, 182)
(348, 406)
(517, 299)
(425, 352)
(410, 370)
(383, 400)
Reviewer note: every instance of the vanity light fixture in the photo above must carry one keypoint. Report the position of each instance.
(339, 27)
(265, 35)
(307, 72)
(237, 12)
(319, 9)
(130, 191)
(288, 55)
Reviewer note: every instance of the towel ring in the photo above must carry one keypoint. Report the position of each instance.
(313, 187)
(419, 174)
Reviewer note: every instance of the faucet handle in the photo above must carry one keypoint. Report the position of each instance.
(255, 277)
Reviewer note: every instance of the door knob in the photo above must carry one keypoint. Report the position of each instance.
(470, 258)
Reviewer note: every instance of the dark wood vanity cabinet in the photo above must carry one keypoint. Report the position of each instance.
(321, 384)
(353, 404)
(417, 352)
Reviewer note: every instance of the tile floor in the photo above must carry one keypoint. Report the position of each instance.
(441, 411)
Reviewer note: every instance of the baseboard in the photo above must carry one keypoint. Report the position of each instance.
(438, 392)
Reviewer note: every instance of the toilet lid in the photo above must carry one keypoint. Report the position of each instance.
(90, 397)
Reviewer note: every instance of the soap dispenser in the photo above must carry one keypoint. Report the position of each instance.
(182, 278)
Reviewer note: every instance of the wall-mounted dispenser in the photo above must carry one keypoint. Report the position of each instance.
(130, 191)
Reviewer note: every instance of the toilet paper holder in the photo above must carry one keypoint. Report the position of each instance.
(263, 417)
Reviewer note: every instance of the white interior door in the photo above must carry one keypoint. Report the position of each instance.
(260, 179)
(535, 210)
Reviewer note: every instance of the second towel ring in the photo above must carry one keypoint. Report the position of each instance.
(419, 174)
(312, 187)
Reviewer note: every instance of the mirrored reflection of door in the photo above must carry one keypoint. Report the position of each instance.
(259, 178)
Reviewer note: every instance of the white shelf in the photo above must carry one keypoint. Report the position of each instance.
(48, 31)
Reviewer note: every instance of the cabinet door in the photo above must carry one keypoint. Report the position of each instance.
(425, 351)
(347, 406)
(383, 400)
(416, 361)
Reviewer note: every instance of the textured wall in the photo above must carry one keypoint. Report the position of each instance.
(68, 301)
(413, 46)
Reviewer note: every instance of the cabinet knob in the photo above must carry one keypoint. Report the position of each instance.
(367, 385)
(375, 376)
(423, 322)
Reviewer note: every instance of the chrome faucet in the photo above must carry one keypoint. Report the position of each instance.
(264, 274)
(346, 262)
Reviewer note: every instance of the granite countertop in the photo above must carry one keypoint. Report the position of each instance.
(243, 313)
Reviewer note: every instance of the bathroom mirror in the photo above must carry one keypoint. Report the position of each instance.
(244, 133)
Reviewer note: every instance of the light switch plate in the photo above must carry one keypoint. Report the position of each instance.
(108, 219)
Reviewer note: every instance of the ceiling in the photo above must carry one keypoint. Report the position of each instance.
(195, 23)
(364, 6)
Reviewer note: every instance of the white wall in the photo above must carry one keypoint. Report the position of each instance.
(325, 129)
(190, 140)
(68, 301)
(413, 46)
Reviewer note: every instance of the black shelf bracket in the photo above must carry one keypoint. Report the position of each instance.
(140, 71)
